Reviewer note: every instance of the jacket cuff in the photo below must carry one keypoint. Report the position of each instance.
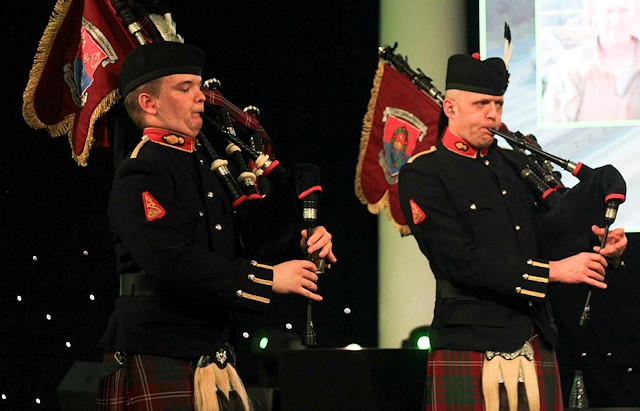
(255, 289)
(534, 282)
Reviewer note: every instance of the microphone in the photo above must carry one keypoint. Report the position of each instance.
(310, 207)
(310, 217)
(306, 180)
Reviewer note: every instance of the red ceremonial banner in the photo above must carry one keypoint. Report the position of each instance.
(74, 77)
(401, 121)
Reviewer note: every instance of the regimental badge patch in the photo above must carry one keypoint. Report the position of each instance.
(152, 209)
(461, 146)
(417, 215)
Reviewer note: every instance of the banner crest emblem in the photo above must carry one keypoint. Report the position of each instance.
(402, 131)
(401, 121)
(94, 51)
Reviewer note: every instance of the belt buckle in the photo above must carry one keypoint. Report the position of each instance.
(119, 356)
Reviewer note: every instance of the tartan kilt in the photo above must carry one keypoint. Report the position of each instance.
(454, 379)
(146, 382)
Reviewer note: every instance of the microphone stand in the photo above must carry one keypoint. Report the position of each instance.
(309, 214)
(309, 337)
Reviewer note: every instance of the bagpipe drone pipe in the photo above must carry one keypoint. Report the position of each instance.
(564, 221)
(273, 204)
(567, 211)
(565, 215)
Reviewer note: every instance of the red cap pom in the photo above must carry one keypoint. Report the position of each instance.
(476, 56)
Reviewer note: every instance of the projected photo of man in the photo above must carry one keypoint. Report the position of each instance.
(596, 78)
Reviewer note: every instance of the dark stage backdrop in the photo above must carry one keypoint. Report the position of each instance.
(309, 68)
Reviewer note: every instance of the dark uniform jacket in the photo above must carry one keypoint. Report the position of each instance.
(173, 220)
(474, 219)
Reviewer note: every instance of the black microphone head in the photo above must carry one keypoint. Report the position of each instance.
(306, 179)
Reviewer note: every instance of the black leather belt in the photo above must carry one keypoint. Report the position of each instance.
(444, 289)
(137, 285)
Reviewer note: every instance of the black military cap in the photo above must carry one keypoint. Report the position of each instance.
(158, 59)
(469, 73)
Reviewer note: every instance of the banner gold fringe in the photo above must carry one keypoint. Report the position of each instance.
(40, 59)
(383, 203)
(101, 109)
(364, 140)
(42, 55)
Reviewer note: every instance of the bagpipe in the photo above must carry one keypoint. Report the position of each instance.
(263, 193)
(565, 215)
(239, 150)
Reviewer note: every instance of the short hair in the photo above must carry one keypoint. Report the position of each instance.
(453, 94)
(131, 104)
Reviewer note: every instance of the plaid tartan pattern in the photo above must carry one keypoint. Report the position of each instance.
(147, 382)
(454, 380)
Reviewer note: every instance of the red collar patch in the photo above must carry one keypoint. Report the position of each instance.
(460, 146)
(169, 139)
(417, 215)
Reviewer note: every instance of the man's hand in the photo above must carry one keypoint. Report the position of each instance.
(320, 242)
(587, 268)
(616, 242)
(296, 277)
